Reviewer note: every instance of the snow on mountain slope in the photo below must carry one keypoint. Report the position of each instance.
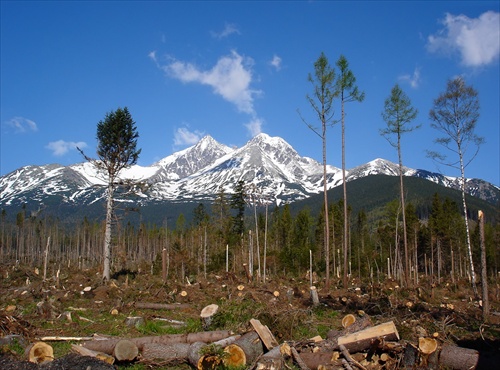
(268, 165)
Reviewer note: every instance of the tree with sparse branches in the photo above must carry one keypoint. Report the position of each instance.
(455, 114)
(398, 114)
(116, 150)
(348, 92)
(322, 103)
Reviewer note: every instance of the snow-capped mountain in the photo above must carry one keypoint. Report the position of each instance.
(269, 166)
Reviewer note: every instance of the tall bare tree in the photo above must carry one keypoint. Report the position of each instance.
(348, 92)
(322, 103)
(116, 149)
(398, 113)
(455, 114)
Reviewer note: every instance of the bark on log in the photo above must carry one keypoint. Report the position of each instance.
(244, 351)
(125, 350)
(458, 358)
(160, 306)
(361, 323)
(272, 360)
(107, 345)
(39, 352)
(174, 353)
(361, 340)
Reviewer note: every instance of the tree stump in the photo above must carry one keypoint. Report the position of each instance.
(244, 351)
(207, 315)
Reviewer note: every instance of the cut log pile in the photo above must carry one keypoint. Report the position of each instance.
(358, 345)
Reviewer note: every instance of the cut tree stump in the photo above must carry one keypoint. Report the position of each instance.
(125, 350)
(314, 295)
(361, 340)
(134, 321)
(458, 358)
(39, 352)
(244, 351)
(207, 315)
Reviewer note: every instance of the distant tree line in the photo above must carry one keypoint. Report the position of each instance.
(224, 235)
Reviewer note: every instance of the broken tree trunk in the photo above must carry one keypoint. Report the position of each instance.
(361, 340)
(39, 352)
(244, 351)
(265, 334)
(272, 360)
(125, 350)
(458, 358)
(108, 345)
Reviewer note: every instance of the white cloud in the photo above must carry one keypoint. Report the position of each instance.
(276, 62)
(228, 30)
(183, 137)
(21, 124)
(476, 39)
(413, 80)
(61, 147)
(229, 78)
(254, 127)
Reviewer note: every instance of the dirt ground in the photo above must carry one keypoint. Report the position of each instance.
(76, 304)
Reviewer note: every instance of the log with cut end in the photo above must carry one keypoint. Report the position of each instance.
(427, 345)
(207, 356)
(458, 358)
(207, 315)
(244, 350)
(39, 352)
(361, 340)
(348, 320)
(315, 360)
(125, 350)
(108, 345)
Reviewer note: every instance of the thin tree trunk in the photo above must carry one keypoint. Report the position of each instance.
(484, 270)
(106, 274)
(344, 185)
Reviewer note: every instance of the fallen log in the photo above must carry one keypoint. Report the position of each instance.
(87, 352)
(244, 350)
(361, 340)
(265, 334)
(175, 353)
(458, 358)
(160, 306)
(315, 360)
(108, 345)
(359, 324)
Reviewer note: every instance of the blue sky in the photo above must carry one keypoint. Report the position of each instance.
(232, 69)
